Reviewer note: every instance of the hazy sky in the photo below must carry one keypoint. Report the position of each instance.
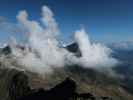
(104, 20)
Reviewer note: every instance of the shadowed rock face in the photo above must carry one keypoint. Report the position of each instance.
(86, 96)
(66, 90)
(74, 48)
(62, 91)
(6, 50)
(19, 86)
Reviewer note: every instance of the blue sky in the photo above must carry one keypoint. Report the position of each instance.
(104, 20)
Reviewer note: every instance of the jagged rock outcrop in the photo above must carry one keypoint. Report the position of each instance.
(62, 91)
(19, 89)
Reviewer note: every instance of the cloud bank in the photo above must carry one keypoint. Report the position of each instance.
(43, 52)
(93, 54)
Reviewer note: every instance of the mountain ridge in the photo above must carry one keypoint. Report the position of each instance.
(87, 79)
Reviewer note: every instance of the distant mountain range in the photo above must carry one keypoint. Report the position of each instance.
(125, 56)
